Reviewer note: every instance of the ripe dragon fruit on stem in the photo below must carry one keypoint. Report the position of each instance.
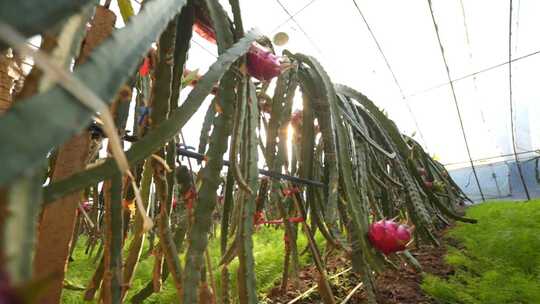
(262, 64)
(388, 236)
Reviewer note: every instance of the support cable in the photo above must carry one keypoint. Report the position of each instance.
(407, 104)
(473, 74)
(455, 100)
(516, 34)
(512, 104)
(294, 15)
(537, 151)
(204, 48)
(291, 17)
(475, 86)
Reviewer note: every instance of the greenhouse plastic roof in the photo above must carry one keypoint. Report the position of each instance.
(475, 37)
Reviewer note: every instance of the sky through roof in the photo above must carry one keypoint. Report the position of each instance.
(474, 35)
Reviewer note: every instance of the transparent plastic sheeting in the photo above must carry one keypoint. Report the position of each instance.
(334, 32)
(499, 180)
(338, 37)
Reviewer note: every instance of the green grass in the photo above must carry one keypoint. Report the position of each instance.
(501, 259)
(268, 251)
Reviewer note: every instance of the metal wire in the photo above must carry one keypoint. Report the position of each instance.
(512, 104)
(294, 15)
(299, 26)
(455, 99)
(475, 85)
(407, 104)
(204, 48)
(493, 157)
(517, 26)
(473, 74)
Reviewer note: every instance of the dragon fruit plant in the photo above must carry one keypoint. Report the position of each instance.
(261, 63)
(143, 66)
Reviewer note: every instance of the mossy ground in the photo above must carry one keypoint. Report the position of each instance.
(498, 260)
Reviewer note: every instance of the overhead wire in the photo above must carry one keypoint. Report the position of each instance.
(204, 48)
(469, 48)
(450, 82)
(294, 15)
(455, 100)
(473, 74)
(475, 85)
(515, 34)
(308, 37)
(493, 157)
(517, 26)
(518, 165)
(407, 104)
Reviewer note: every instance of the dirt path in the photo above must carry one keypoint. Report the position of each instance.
(393, 286)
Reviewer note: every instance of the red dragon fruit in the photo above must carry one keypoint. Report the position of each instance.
(403, 234)
(86, 206)
(391, 224)
(262, 64)
(388, 236)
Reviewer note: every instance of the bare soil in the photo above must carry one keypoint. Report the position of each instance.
(392, 286)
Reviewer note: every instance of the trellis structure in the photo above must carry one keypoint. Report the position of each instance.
(341, 139)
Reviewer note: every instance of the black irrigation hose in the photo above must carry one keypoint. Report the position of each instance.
(182, 150)
(271, 174)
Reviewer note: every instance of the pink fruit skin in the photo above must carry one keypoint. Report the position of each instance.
(262, 64)
(377, 231)
(388, 236)
(403, 235)
(86, 206)
(391, 224)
